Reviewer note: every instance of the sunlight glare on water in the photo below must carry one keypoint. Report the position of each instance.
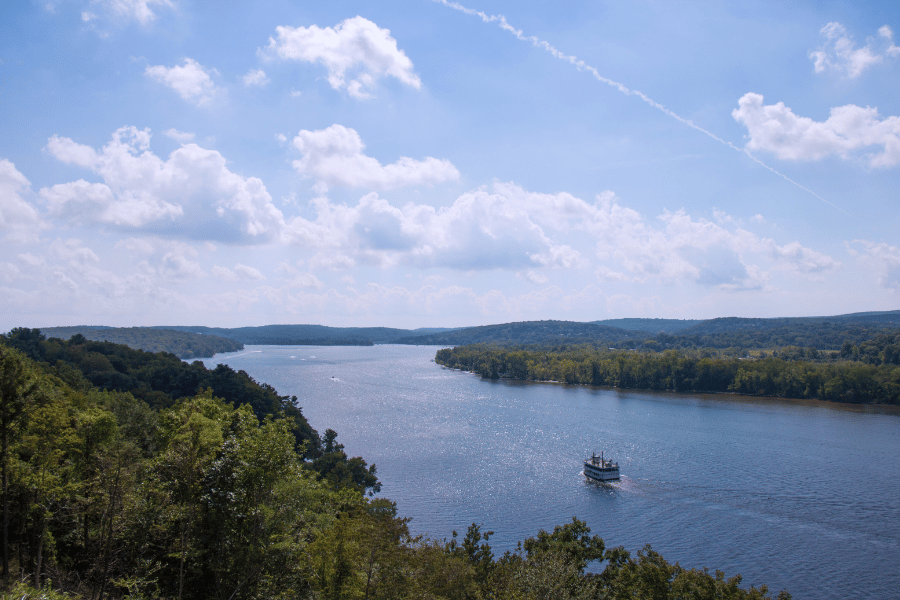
(797, 496)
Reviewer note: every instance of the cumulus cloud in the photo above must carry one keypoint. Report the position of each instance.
(481, 230)
(880, 258)
(334, 156)
(179, 136)
(248, 272)
(178, 266)
(192, 194)
(839, 52)
(802, 260)
(19, 220)
(190, 80)
(223, 273)
(536, 278)
(688, 248)
(121, 11)
(775, 128)
(507, 227)
(255, 78)
(356, 53)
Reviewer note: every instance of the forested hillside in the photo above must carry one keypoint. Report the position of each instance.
(652, 326)
(220, 491)
(528, 332)
(820, 333)
(182, 344)
(851, 375)
(304, 335)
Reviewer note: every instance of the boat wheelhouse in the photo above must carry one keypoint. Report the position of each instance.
(599, 469)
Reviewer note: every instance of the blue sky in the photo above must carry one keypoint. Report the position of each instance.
(428, 163)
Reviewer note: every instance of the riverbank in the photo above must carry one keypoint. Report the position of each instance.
(848, 382)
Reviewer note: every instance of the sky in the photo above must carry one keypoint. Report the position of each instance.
(431, 164)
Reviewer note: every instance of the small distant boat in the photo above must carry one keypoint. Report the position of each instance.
(599, 469)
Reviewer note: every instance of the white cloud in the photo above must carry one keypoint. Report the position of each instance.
(880, 258)
(255, 78)
(141, 246)
(119, 12)
(355, 49)
(192, 194)
(179, 136)
(190, 80)
(688, 249)
(537, 278)
(19, 220)
(334, 156)
(331, 260)
(248, 272)
(72, 251)
(481, 230)
(512, 229)
(177, 266)
(775, 128)
(138, 10)
(223, 273)
(305, 280)
(722, 217)
(803, 260)
(839, 52)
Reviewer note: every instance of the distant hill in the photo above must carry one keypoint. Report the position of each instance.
(823, 332)
(184, 345)
(808, 332)
(527, 332)
(300, 335)
(811, 332)
(649, 325)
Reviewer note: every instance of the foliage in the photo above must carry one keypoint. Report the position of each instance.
(787, 376)
(203, 497)
(734, 333)
(157, 378)
(304, 335)
(182, 344)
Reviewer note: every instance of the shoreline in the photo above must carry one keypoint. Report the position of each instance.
(861, 407)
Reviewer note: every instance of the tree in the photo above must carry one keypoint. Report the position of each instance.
(193, 431)
(572, 541)
(334, 467)
(19, 389)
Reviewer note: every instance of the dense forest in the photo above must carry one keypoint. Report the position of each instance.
(822, 333)
(180, 343)
(129, 474)
(308, 335)
(870, 374)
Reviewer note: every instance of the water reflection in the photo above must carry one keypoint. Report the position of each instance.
(795, 494)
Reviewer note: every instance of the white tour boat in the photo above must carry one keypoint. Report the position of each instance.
(598, 469)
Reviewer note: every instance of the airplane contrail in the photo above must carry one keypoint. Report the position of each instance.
(583, 66)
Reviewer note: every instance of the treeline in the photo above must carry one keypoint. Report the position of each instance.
(184, 345)
(820, 336)
(159, 379)
(733, 334)
(301, 335)
(105, 496)
(683, 372)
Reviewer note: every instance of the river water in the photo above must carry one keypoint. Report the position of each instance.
(796, 495)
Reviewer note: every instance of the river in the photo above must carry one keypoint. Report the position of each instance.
(800, 496)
